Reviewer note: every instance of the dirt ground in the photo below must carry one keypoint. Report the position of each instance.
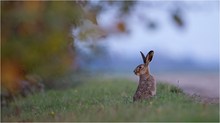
(202, 86)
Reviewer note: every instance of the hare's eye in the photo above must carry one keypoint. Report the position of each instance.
(140, 67)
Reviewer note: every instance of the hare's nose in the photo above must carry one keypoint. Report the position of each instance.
(134, 71)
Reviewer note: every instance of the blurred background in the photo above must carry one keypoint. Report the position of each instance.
(184, 36)
(44, 41)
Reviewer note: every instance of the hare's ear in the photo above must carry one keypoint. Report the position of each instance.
(149, 56)
(143, 57)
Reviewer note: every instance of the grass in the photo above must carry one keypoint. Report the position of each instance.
(109, 100)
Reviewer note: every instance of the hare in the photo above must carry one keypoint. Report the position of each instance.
(147, 83)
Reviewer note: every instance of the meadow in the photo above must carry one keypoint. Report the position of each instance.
(109, 100)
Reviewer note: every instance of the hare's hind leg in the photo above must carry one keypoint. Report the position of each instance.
(136, 97)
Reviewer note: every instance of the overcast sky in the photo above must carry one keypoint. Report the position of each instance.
(198, 40)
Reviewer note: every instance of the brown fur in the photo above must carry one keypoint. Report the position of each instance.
(147, 83)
